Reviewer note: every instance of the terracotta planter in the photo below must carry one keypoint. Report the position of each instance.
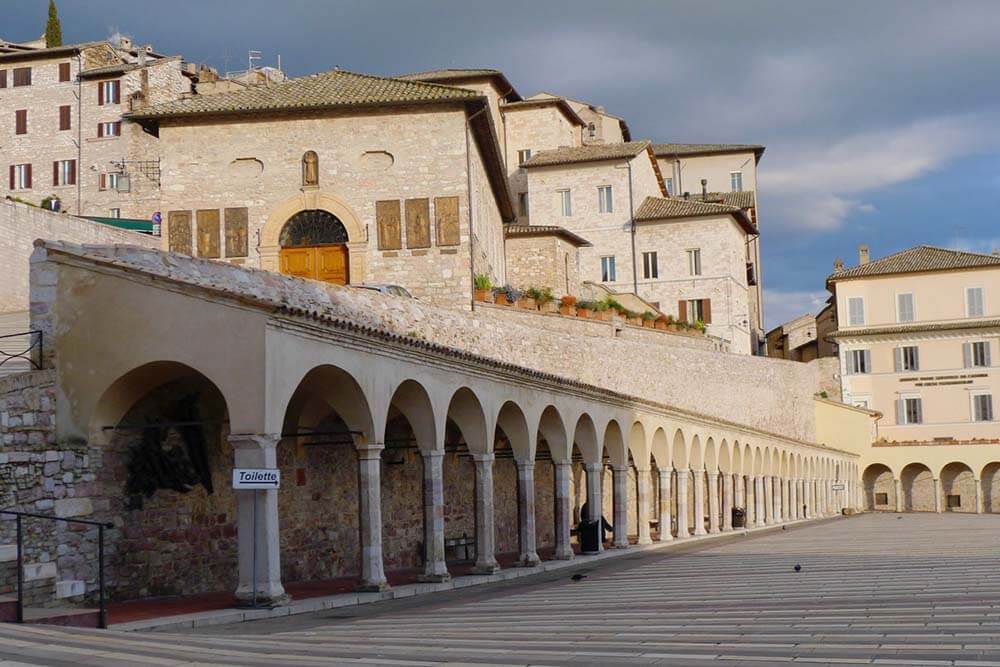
(647, 324)
(635, 321)
(484, 295)
(548, 307)
(569, 311)
(526, 302)
(659, 324)
(585, 313)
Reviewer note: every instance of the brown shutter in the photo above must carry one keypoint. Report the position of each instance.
(100, 93)
(55, 173)
(100, 130)
(21, 121)
(3, 78)
(11, 177)
(104, 182)
(116, 88)
(706, 307)
(72, 172)
(28, 184)
(682, 311)
(65, 118)
(64, 71)
(118, 128)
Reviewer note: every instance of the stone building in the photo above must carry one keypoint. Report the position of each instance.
(806, 337)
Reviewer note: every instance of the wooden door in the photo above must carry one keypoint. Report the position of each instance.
(327, 263)
(298, 262)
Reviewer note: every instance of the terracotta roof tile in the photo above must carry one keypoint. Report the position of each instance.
(918, 259)
(706, 149)
(915, 328)
(665, 208)
(595, 153)
(521, 231)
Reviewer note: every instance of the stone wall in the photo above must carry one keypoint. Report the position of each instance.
(543, 261)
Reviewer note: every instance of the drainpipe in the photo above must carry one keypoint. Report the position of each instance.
(468, 197)
(631, 213)
(79, 134)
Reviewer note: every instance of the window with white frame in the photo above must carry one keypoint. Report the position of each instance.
(974, 305)
(523, 155)
(20, 177)
(522, 204)
(115, 213)
(608, 274)
(856, 311)
(976, 355)
(862, 402)
(64, 172)
(982, 407)
(605, 201)
(650, 267)
(669, 182)
(909, 410)
(736, 181)
(694, 261)
(907, 358)
(565, 203)
(113, 181)
(904, 308)
(113, 129)
(699, 310)
(859, 362)
(108, 92)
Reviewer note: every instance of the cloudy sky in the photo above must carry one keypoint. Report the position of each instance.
(881, 119)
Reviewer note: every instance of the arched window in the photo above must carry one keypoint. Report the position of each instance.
(312, 228)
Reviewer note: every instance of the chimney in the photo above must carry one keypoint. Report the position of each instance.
(704, 189)
(863, 256)
(838, 265)
(687, 195)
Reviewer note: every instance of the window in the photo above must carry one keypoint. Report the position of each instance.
(3, 78)
(694, 261)
(566, 203)
(63, 72)
(974, 302)
(522, 204)
(904, 308)
(736, 181)
(856, 311)
(20, 177)
(523, 155)
(108, 92)
(976, 354)
(65, 117)
(982, 407)
(22, 76)
(859, 362)
(592, 130)
(115, 213)
(859, 402)
(608, 274)
(695, 310)
(907, 358)
(64, 172)
(881, 498)
(21, 121)
(909, 410)
(605, 202)
(113, 129)
(669, 182)
(650, 269)
(953, 501)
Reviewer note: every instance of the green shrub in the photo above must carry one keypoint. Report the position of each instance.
(483, 282)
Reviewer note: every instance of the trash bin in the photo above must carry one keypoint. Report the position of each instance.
(589, 534)
(739, 517)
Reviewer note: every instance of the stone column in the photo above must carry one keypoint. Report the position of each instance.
(563, 510)
(979, 495)
(898, 484)
(526, 513)
(786, 499)
(370, 493)
(938, 492)
(699, 501)
(486, 562)
(644, 493)
(595, 496)
(778, 509)
(713, 502)
(831, 498)
(728, 503)
(768, 483)
(666, 532)
(791, 510)
(814, 495)
(619, 480)
(682, 503)
(264, 552)
(435, 568)
(758, 492)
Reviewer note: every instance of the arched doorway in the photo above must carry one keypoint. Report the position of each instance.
(314, 245)
(880, 488)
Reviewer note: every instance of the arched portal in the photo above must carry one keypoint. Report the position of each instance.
(959, 487)
(880, 489)
(918, 488)
(314, 245)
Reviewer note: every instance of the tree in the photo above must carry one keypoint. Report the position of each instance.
(53, 30)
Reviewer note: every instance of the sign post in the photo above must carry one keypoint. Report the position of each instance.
(254, 479)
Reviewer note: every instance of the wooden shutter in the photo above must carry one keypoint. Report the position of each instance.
(116, 89)
(867, 354)
(3, 78)
(117, 125)
(920, 411)
(899, 411)
(21, 121)
(27, 184)
(100, 130)
(682, 311)
(11, 177)
(64, 71)
(706, 307)
(967, 355)
(55, 173)
(897, 355)
(100, 93)
(72, 172)
(103, 182)
(986, 354)
(65, 117)
(916, 359)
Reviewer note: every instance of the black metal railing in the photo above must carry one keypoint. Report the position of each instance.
(102, 621)
(35, 342)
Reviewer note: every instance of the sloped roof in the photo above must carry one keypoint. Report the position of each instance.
(10, 52)
(626, 133)
(691, 150)
(744, 199)
(465, 74)
(917, 327)
(918, 259)
(591, 153)
(666, 208)
(524, 231)
(326, 90)
(557, 102)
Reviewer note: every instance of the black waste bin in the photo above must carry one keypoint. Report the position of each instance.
(739, 517)
(589, 534)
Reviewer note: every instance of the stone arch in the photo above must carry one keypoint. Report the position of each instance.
(309, 200)
(552, 429)
(990, 480)
(880, 488)
(585, 437)
(514, 424)
(639, 445)
(330, 387)
(918, 487)
(725, 457)
(958, 488)
(711, 457)
(467, 413)
(697, 455)
(679, 451)
(660, 449)
(411, 400)
(613, 443)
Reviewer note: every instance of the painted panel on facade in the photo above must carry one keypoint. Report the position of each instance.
(389, 229)
(236, 232)
(179, 232)
(446, 220)
(208, 233)
(418, 223)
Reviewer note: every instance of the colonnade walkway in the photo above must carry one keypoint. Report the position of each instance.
(909, 589)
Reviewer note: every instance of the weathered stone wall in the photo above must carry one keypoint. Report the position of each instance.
(535, 129)
(543, 261)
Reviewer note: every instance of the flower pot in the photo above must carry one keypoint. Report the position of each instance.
(635, 321)
(484, 295)
(569, 311)
(647, 324)
(660, 325)
(548, 307)
(585, 313)
(526, 303)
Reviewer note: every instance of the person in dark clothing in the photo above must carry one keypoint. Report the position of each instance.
(606, 526)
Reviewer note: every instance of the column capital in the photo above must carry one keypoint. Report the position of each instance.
(641, 471)
(432, 453)
(619, 467)
(683, 472)
(488, 457)
(524, 465)
(371, 450)
(593, 466)
(243, 441)
(561, 462)
(712, 474)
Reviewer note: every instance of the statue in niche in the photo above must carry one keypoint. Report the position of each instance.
(310, 168)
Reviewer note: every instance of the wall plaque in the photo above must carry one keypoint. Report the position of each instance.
(236, 232)
(418, 223)
(446, 220)
(208, 233)
(179, 232)
(389, 230)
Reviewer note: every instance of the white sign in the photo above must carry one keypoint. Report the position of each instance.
(259, 478)
(838, 487)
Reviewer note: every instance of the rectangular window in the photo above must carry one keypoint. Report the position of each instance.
(65, 118)
(108, 92)
(63, 72)
(976, 355)
(523, 155)
(109, 181)
(881, 498)
(694, 261)
(650, 268)
(592, 130)
(953, 501)
(859, 362)
(605, 202)
(20, 177)
(904, 308)
(113, 129)
(982, 407)
(3, 78)
(910, 411)
(669, 182)
(608, 274)
(566, 203)
(21, 121)
(22, 76)
(907, 358)
(115, 213)
(856, 311)
(64, 172)
(522, 204)
(736, 181)
(695, 310)
(974, 306)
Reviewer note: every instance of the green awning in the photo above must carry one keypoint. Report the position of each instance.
(132, 224)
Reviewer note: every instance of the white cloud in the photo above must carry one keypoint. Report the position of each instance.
(781, 306)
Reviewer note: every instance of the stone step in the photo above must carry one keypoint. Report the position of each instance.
(69, 588)
(8, 553)
(34, 571)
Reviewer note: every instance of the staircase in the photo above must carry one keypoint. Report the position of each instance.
(43, 593)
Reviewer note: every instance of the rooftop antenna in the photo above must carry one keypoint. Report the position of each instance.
(252, 56)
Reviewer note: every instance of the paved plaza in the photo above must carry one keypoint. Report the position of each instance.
(912, 589)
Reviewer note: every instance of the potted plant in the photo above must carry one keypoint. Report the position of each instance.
(506, 295)
(567, 305)
(545, 300)
(584, 309)
(662, 322)
(484, 288)
(602, 310)
(633, 318)
(648, 318)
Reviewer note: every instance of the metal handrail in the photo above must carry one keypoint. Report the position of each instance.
(102, 619)
(37, 341)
